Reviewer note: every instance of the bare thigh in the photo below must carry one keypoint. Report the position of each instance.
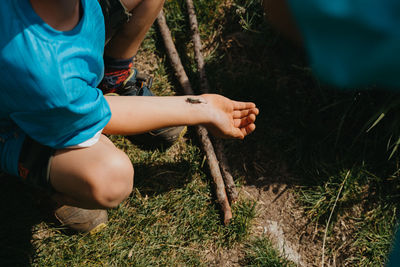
(100, 176)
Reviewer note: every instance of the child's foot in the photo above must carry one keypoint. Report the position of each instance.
(72, 218)
(81, 220)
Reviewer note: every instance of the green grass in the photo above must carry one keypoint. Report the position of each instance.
(260, 253)
(170, 220)
(320, 132)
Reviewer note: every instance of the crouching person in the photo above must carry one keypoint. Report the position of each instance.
(60, 60)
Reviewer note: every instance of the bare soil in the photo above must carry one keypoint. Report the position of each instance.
(282, 220)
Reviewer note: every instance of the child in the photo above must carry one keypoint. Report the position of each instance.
(54, 117)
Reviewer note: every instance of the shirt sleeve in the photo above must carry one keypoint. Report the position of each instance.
(351, 43)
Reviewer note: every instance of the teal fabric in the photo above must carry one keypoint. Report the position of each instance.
(48, 80)
(351, 43)
(394, 260)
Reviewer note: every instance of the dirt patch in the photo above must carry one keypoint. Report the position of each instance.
(283, 221)
(225, 257)
(280, 219)
(279, 215)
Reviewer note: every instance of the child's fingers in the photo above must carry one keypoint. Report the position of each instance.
(243, 122)
(245, 127)
(238, 114)
(243, 105)
(255, 111)
(248, 129)
(238, 134)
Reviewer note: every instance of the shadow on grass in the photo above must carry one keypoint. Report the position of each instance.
(153, 179)
(303, 127)
(18, 215)
(309, 135)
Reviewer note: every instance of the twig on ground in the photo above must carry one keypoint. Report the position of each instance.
(201, 131)
(205, 88)
(226, 172)
(329, 219)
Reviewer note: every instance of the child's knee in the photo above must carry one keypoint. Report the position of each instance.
(112, 182)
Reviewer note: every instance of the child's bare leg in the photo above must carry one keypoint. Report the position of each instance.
(97, 177)
(127, 40)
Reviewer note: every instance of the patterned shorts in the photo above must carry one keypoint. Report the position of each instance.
(115, 15)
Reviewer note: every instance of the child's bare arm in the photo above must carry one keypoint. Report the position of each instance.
(222, 116)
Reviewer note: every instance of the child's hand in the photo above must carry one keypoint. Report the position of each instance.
(230, 119)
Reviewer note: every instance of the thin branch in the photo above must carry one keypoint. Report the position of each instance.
(201, 131)
(197, 46)
(226, 171)
(205, 88)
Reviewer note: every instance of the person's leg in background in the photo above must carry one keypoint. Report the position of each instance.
(279, 15)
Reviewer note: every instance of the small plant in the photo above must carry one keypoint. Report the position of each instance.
(249, 14)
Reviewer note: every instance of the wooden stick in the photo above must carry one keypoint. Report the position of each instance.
(215, 173)
(205, 88)
(230, 186)
(201, 131)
